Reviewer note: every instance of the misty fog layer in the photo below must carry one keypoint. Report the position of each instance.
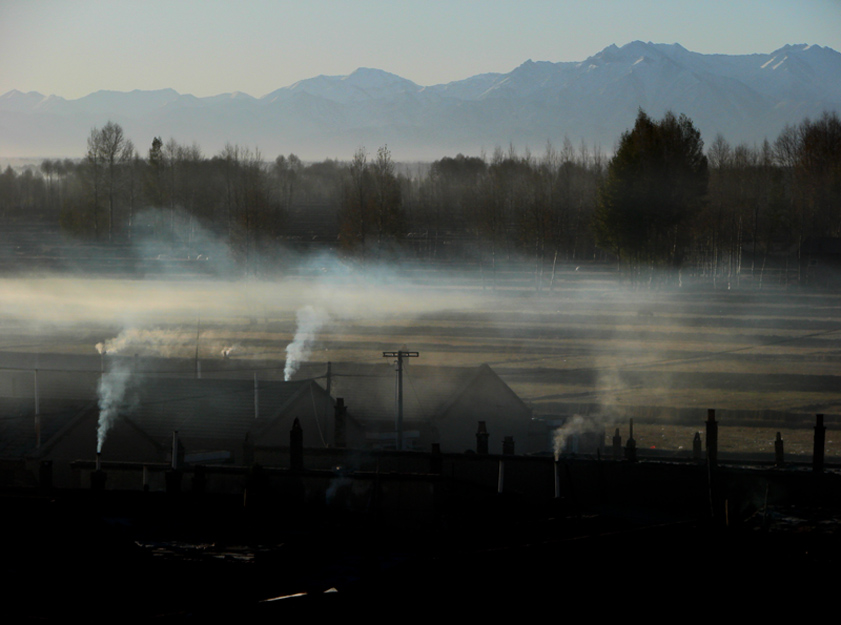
(587, 343)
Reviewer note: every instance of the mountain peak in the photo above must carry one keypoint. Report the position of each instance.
(741, 96)
(380, 76)
(375, 83)
(14, 93)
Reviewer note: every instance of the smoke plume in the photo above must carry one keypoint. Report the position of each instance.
(113, 389)
(153, 341)
(576, 426)
(310, 321)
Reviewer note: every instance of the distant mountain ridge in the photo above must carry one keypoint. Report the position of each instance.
(744, 97)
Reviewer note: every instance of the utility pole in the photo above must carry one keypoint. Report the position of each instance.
(398, 426)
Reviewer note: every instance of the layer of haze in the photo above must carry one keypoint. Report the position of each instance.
(74, 48)
(128, 303)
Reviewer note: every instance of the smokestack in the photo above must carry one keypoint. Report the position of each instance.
(556, 468)
(779, 455)
(296, 446)
(198, 334)
(99, 476)
(617, 445)
(697, 448)
(173, 477)
(508, 446)
(256, 398)
(37, 414)
(482, 439)
(712, 438)
(500, 481)
(329, 377)
(818, 448)
(329, 405)
(37, 395)
(631, 445)
(175, 450)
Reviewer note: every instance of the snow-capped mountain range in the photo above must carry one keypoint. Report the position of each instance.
(744, 97)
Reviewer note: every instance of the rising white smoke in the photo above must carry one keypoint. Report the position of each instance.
(114, 396)
(153, 341)
(574, 427)
(310, 321)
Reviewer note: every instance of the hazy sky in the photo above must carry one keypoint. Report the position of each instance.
(206, 47)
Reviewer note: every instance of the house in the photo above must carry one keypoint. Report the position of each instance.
(441, 405)
(217, 421)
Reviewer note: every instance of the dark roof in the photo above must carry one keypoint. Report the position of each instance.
(370, 391)
(206, 408)
(17, 423)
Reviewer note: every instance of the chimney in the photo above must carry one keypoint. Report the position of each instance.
(174, 451)
(482, 439)
(818, 449)
(256, 398)
(173, 476)
(779, 453)
(697, 448)
(98, 476)
(37, 413)
(508, 446)
(340, 423)
(631, 445)
(712, 438)
(296, 446)
(617, 445)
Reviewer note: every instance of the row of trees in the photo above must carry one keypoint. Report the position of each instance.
(661, 200)
(665, 201)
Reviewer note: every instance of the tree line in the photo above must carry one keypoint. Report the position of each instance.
(662, 200)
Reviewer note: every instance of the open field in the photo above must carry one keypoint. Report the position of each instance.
(590, 346)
